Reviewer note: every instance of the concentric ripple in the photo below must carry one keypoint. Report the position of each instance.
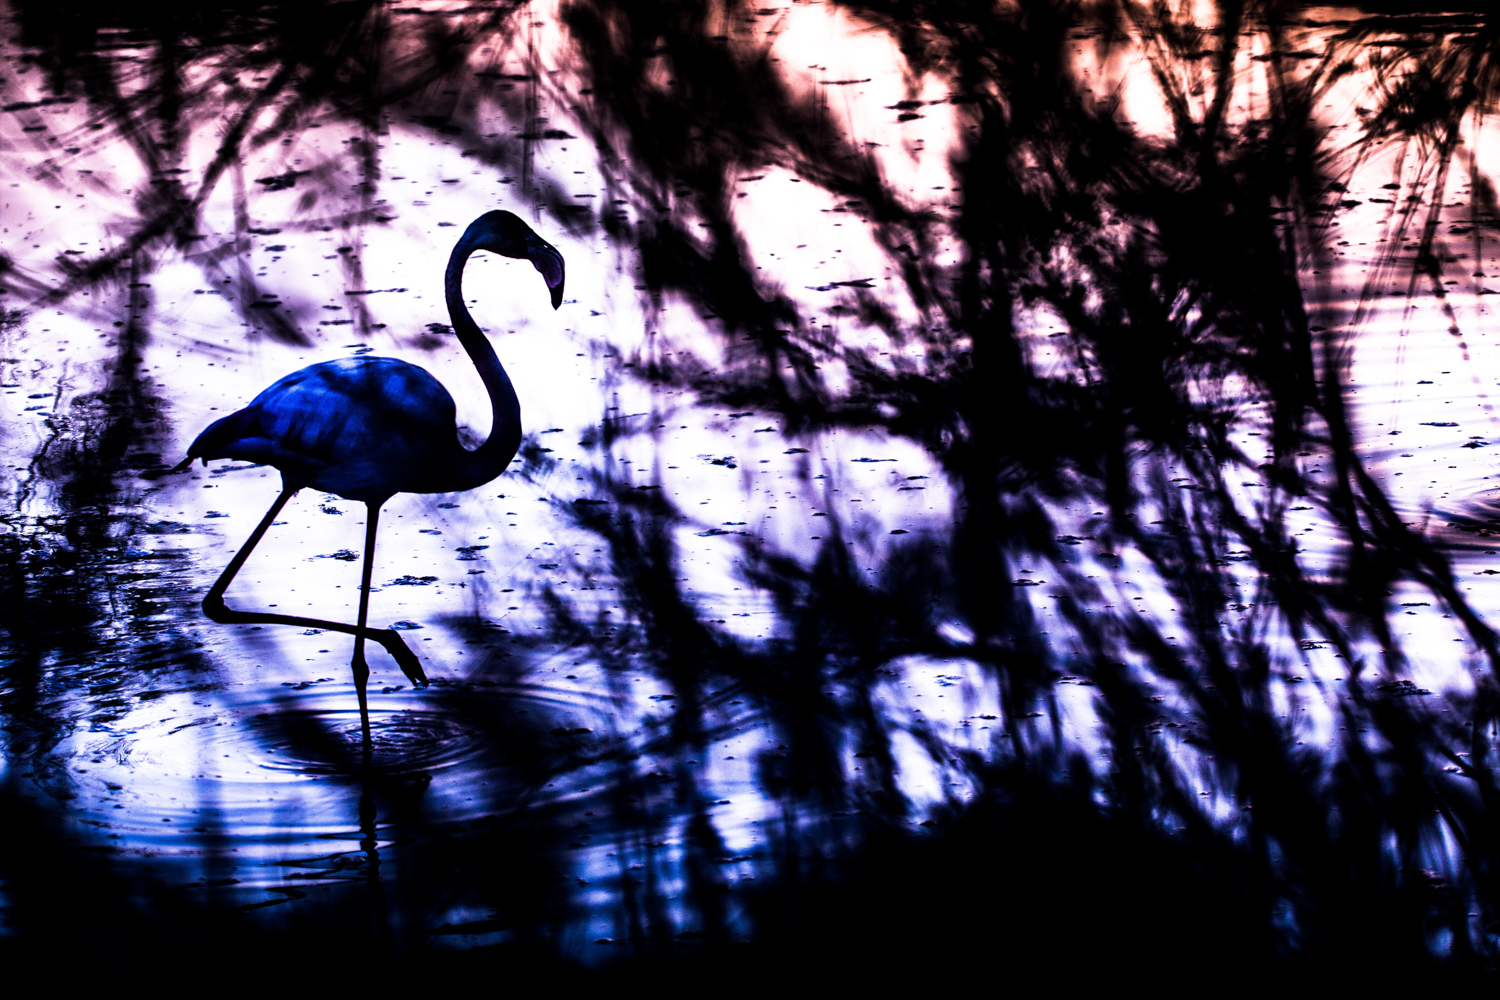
(403, 741)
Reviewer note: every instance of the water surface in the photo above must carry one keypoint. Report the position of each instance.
(979, 445)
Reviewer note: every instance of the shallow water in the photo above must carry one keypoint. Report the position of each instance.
(867, 468)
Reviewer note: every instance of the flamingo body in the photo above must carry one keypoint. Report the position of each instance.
(368, 428)
(363, 428)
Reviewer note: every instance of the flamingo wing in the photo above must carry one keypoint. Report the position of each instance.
(367, 416)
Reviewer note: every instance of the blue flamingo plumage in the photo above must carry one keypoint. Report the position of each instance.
(367, 428)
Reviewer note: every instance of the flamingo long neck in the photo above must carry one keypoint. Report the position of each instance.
(489, 459)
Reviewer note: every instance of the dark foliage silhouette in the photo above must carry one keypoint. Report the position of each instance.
(1180, 273)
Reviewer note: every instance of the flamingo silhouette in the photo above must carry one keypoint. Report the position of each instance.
(367, 428)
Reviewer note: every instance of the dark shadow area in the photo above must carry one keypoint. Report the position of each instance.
(1216, 804)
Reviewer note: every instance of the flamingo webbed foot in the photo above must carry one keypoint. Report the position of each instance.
(405, 658)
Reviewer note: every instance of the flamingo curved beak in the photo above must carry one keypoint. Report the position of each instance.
(545, 258)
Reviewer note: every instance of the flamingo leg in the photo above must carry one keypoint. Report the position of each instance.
(215, 608)
(361, 669)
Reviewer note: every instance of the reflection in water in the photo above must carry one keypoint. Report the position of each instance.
(1009, 474)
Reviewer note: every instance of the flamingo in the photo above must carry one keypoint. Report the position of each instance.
(367, 428)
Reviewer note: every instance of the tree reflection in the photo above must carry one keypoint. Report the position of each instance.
(1177, 269)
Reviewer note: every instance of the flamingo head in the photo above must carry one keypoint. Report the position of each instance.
(504, 233)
